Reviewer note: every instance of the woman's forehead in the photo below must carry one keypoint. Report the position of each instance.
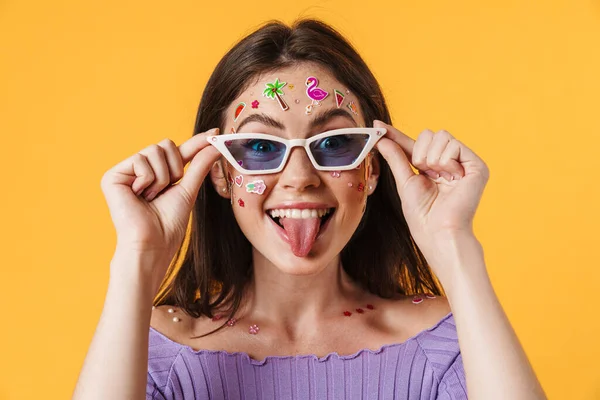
(298, 95)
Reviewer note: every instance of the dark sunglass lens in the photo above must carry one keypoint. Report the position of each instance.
(338, 150)
(256, 154)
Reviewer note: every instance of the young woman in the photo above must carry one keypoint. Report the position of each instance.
(316, 252)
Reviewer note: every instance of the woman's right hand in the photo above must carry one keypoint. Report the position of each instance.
(149, 209)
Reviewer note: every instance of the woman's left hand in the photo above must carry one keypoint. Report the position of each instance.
(436, 209)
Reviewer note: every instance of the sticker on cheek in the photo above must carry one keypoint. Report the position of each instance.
(257, 187)
(336, 174)
(241, 203)
(361, 187)
(239, 180)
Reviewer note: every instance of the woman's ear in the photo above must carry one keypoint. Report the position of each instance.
(220, 179)
(372, 171)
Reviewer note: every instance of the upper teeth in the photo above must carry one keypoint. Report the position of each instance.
(297, 213)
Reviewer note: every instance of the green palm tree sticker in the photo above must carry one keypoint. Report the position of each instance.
(273, 91)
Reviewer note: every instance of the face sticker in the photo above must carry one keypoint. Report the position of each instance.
(255, 104)
(257, 187)
(352, 107)
(315, 94)
(241, 203)
(233, 130)
(239, 180)
(273, 91)
(361, 187)
(238, 110)
(308, 109)
(336, 174)
(339, 98)
(292, 86)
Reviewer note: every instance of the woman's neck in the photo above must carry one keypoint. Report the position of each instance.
(296, 301)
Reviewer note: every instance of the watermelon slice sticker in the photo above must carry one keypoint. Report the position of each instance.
(238, 110)
(339, 98)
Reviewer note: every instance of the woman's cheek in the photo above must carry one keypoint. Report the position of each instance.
(249, 191)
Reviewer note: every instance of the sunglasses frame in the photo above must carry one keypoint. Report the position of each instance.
(218, 141)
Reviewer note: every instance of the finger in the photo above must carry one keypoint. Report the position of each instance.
(405, 142)
(421, 149)
(465, 155)
(157, 160)
(437, 146)
(397, 160)
(192, 146)
(198, 169)
(448, 159)
(134, 172)
(174, 161)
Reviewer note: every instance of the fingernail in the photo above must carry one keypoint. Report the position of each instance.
(446, 176)
(150, 196)
(432, 174)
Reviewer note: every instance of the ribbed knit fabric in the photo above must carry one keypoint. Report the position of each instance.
(426, 366)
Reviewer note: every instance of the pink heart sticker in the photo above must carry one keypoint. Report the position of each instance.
(239, 180)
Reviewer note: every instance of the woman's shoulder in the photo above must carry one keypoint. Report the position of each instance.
(412, 314)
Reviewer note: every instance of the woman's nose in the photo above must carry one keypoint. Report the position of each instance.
(299, 173)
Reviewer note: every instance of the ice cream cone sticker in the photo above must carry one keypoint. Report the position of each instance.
(273, 91)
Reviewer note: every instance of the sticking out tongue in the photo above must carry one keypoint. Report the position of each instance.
(302, 233)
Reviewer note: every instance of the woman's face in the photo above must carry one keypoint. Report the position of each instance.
(272, 220)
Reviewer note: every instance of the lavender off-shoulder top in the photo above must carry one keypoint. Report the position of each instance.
(426, 366)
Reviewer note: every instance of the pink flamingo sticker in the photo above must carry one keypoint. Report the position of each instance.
(315, 94)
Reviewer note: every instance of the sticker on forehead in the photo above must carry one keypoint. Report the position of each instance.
(238, 110)
(339, 98)
(352, 107)
(255, 104)
(315, 94)
(273, 91)
(257, 187)
(233, 130)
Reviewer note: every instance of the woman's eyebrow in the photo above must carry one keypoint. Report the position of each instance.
(323, 117)
(263, 119)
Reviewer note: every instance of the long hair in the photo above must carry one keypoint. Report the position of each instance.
(381, 255)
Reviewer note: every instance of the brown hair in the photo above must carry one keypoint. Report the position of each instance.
(381, 255)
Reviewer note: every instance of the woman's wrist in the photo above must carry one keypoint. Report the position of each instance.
(140, 271)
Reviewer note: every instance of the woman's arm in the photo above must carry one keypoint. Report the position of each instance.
(495, 364)
(117, 361)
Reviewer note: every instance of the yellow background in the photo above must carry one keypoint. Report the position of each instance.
(84, 85)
